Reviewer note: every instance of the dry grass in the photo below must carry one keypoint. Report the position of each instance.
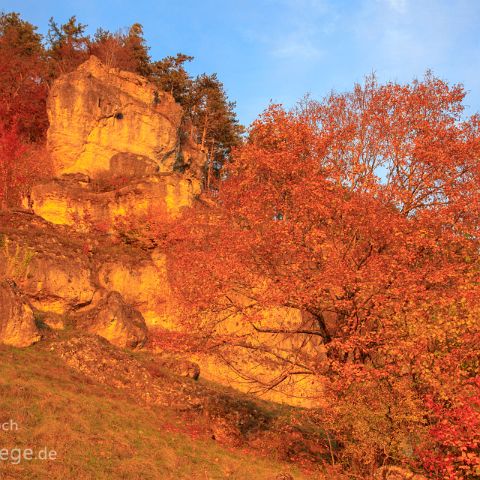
(99, 433)
(16, 259)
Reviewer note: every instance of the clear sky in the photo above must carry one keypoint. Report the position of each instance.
(278, 50)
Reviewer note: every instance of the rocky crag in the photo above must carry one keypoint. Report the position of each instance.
(118, 156)
(116, 147)
(117, 150)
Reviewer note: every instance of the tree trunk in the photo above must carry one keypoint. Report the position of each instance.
(204, 134)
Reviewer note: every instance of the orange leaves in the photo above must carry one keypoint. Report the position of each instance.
(20, 165)
(362, 210)
(356, 205)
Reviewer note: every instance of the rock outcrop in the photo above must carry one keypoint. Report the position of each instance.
(83, 205)
(142, 281)
(97, 112)
(17, 324)
(59, 277)
(93, 284)
(117, 150)
(116, 321)
(72, 273)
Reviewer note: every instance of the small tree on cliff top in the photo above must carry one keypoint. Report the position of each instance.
(67, 45)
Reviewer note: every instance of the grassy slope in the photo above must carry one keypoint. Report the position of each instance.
(99, 433)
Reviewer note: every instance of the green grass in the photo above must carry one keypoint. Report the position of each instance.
(100, 433)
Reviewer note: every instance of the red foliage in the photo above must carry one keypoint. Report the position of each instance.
(454, 415)
(23, 116)
(361, 210)
(23, 89)
(20, 165)
(169, 341)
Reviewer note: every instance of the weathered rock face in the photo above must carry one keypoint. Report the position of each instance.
(144, 283)
(58, 276)
(70, 273)
(117, 150)
(83, 205)
(129, 165)
(17, 325)
(97, 112)
(58, 283)
(116, 321)
(254, 355)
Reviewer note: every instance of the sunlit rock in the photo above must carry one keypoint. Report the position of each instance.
(114, 320)
(17, 325)
(87, 206)
(96, 112)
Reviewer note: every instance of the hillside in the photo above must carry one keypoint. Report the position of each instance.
(180, 300)
(101, 432)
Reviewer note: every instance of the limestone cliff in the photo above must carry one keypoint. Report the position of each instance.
(97, 112)
(118, 158)
(117, 150)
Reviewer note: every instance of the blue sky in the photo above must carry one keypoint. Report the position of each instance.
(278, 50)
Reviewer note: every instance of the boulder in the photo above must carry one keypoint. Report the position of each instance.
(17, 324)
(180, 366)
(114, 320)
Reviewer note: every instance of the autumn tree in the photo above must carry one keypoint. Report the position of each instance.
(123, 50)
(23, 118)
(21, 165)
(23, 89)
(361, 211)
(110, 49)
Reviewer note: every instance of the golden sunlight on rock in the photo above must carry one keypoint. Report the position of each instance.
(117, 152)
(96, 112)
(17, 325)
